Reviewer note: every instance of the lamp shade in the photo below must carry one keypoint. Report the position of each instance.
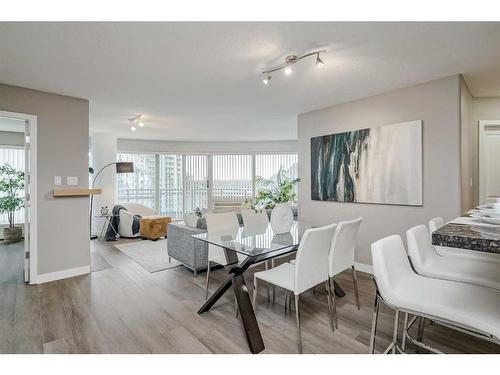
(124, 167)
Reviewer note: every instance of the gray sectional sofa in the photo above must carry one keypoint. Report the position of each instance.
(191, 252)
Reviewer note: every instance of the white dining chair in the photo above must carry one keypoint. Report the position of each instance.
(310, 269)
(341, 258)
(468, 308)
(252, 218)
(220, 222)
(427, 262)
(438, 222)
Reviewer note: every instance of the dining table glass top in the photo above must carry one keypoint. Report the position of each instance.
(256, 239)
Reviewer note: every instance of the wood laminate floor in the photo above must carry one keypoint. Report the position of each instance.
(121, 308)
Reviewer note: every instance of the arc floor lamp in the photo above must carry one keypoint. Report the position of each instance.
(121, 167)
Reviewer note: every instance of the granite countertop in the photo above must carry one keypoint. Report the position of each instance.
(471, 237)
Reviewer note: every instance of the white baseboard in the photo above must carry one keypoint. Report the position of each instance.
(58, 275)
(367, 268)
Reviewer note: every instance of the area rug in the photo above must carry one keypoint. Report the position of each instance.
(150, 255)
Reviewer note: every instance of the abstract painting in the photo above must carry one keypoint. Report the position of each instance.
(376, 165)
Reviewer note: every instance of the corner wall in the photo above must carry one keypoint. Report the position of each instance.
(62, 142)
(437, 103)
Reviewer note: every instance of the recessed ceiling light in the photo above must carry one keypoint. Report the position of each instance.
(288, 70)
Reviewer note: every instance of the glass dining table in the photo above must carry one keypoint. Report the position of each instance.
(257, 244)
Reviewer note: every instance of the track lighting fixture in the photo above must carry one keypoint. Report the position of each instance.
(287, 65)
(136, 122)
(319, 62)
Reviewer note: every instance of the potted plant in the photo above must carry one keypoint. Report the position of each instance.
(271, 192)
(11, 183)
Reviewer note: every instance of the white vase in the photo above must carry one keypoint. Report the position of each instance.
(282, 218)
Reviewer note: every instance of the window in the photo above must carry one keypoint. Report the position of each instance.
(232, 178)
(15, 158)
(173, 184)
(196, 176)
(267, 166)
(138, 187)
(171, 192)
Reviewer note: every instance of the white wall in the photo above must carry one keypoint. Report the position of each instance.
(437, 103)
(205, 147)
(62, 150)
(103, 149)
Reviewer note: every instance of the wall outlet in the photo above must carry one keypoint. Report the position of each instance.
(72, 180)
(57, 180)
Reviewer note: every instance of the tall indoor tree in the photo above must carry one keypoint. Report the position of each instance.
(11, 185)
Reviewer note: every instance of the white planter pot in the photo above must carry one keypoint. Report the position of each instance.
(282, 218)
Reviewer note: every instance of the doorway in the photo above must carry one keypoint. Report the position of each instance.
(18, 149)
(489, 156)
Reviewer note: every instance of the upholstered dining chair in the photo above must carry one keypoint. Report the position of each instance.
(310, 269)
(468, 308)
(438, 222)
(252, 218)
(427, 262)
(341, 258)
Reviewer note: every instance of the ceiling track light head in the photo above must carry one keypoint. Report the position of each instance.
(135, 122)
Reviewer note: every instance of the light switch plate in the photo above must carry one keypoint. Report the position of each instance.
(57, 180)
(72, 180)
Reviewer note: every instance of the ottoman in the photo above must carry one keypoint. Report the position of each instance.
(154, 227)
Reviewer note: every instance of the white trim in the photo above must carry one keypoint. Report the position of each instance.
(64, 274)
(32, 123)
(366, 268)
(482, 134)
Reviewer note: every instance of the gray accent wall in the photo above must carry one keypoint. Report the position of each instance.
(437, 104)
(62, 141)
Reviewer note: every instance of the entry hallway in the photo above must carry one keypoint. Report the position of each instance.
(121, 308)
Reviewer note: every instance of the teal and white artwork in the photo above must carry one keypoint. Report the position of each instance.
(376, 165)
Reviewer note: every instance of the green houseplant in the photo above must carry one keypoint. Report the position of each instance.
(271, 192)
(11, 184)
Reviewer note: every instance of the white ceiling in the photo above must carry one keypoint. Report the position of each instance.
(201, 81)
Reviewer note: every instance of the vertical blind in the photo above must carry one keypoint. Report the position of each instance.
(196, 185)
(232, 178)
(174, 184)
(15, 158)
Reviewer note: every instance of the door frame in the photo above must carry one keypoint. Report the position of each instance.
(483, 124)
(31, 122)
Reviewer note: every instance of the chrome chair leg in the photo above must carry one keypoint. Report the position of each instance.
(405, 327)
(374, 325)
(330, 309)
(334, 302)
(208, 281)
(420, 331)
(286, 300)
(395, 332)
(355, 282)
(297, 315)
